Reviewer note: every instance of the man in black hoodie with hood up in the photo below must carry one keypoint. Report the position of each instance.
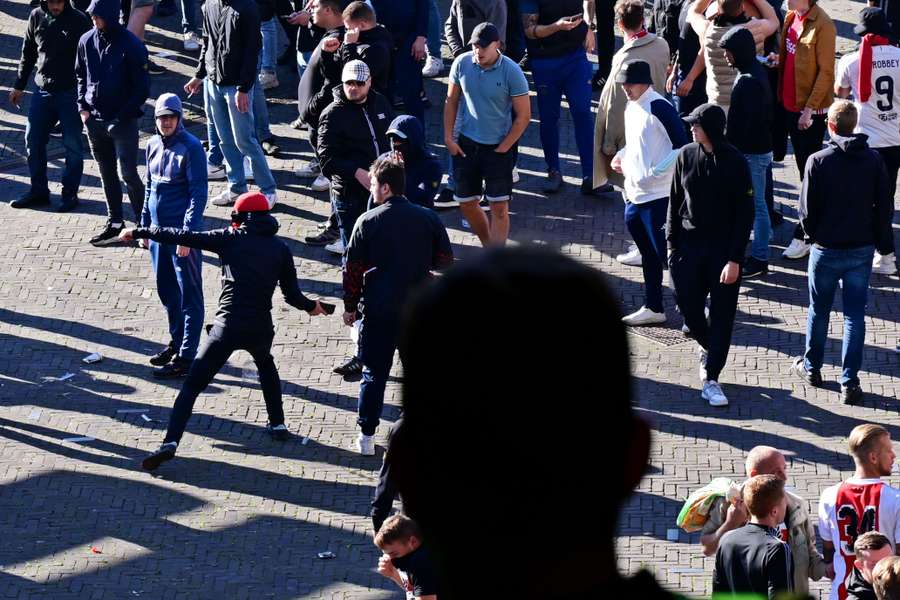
(51, 41)
(710, 216)
(750, 131)
(253, 261)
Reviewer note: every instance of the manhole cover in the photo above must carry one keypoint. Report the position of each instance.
(663, 335)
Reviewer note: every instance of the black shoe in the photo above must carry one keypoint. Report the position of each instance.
(67, 203)
(588, 189)
(813, 378)
(154, 68)
(109, 236)
(753, 267)
(278, 432)
(56, 130)
(351, 368)
(597, 82)
(554, 182)
(445, 199)
(269, 147)
(322, 239)
(686, 331)
(30, 199)
(298, 124)
(164, 453)
(851, 394)
(164, 357)
(174, 370)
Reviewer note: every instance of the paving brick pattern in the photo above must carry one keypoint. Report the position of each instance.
(238, 516)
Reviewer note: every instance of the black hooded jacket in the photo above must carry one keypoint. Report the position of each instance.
(373, 48)
(253, 261)
(51, 43)
(231, 43)
(711, 196)
(845, 201)
(752, 108)
(351, 137)
(322, 73)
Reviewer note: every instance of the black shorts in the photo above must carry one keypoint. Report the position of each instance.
(483, 171)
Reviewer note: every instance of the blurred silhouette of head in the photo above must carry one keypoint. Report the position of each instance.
(519, 440)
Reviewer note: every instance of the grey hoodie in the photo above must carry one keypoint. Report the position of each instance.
(466, 14)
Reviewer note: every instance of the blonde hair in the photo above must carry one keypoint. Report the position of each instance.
(864, 438)
(843, 115)
(886, 578)
(762, 493)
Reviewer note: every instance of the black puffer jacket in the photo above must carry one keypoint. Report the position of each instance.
(51, 43)
(253, 261)
(231, 43)
(373, 48)
(352, 136)
(751, 112)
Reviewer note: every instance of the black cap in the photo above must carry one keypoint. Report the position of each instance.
(872, 20)
(484, 35)
(635, 71)
(710, 117)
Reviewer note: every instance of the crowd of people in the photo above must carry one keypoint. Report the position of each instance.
(738, 77)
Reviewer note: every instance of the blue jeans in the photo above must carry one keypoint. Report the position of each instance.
(45, 109)
(569, 75)
(238, 139)
(826, 268)
(377, 342)
(260, 124)
(180, 289)
(269, 52)
(762, 228)
(188, 16)
(646, 223)
(434, 30)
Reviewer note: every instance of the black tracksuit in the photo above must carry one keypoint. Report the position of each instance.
(253, 261)
(231, 43)
(752, 108)
(711, 214)
(314, 92)
(51, 43)
(373, 48)
(752, 560)
(386, 490)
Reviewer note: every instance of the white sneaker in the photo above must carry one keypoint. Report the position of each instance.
(272, 199)
(248, 169)
(644, 316)
(309, 170)
(365, 445)
(215, 173)
(226, 198)
(191, 42)
(321, 184)
(515, 174)
(632, 258)
(712, 393)
(704, 356)
(336, 247)
(433, 67)
(268, 80)
(797, 249)
(884, 265)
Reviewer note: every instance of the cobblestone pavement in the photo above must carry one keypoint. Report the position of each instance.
(238, 516)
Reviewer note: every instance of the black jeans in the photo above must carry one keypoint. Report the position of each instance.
(695, 268)
(891, 158)
(219, 345)
(377, 341)
(115, 148)
(805, 143)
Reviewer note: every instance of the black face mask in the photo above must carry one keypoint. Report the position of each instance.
(238, 218)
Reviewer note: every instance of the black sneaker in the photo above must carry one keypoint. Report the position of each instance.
(588, 189)
(351, 368)
(686, 331)
(322, 239)
(67, 203)
(164, 357)
(109, 235)
(754, 267)
(597, 82)
(553, 183)
(445, 199)
(174, 370)
(30, 199)
(164, 453)
(813, 378)
(269, 147)
(278, 432)
(154, 68)
(851, 394)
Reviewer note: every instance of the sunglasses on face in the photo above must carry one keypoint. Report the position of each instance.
(355, 83)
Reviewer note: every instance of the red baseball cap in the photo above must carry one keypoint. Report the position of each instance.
(251, 202)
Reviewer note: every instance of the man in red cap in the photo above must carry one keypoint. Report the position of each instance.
(254, 261)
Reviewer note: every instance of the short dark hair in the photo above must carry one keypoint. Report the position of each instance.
(630, 13)
(871, 540)
(388, 169)
(763, 493)
(732, 8)
(359, 11)
(397, 528)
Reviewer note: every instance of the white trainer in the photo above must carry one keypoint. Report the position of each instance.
(704, 356)
(191, 42)
(644, 316)
(515, 174)
(215, 173)
(272, 199)
(268, 80)
(632, 258)
(309, 170)
(884, 265)
(248, 169)
(336, 247)
(365, 445)
(321, 184)
(712, 393)
(226, 198)
(797, 249)
(433, 66)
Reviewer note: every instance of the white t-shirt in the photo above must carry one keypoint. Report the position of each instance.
(850, 509)
(879, 116)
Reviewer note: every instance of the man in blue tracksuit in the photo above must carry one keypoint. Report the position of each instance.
(113, 84)
(408, 23)
(176, 196)
(423, 169)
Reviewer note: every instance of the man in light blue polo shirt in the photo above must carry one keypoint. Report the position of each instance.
(489, 89)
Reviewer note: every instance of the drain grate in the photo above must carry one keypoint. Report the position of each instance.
(664, 336)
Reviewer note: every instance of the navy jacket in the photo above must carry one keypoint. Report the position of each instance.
(254, 261)
(393, 249)
(51, 43)
(423, 169)
(406, 19)
(111, 68)
(231, 43)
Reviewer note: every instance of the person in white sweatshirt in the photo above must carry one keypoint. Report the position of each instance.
(653, 135)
